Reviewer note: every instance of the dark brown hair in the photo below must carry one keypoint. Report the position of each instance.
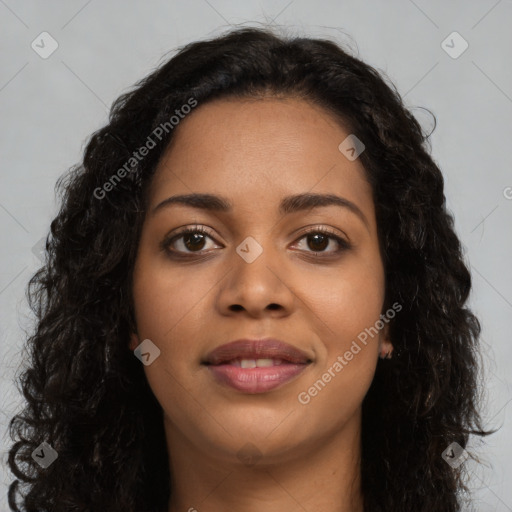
(87, 395)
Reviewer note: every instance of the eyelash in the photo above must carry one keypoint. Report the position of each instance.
(343, 244)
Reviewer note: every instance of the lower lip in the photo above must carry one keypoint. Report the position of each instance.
(256, 380)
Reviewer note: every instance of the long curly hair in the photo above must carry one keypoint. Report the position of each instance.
(87, 395)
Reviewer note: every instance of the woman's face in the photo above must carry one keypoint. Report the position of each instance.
(257, 274)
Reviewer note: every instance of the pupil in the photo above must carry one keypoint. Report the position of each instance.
(196, 238)
(315, 241)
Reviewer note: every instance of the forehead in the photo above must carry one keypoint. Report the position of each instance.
(258, 150)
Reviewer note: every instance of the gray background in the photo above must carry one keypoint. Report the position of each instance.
(48, 107)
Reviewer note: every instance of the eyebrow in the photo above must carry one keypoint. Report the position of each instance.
(288, 205)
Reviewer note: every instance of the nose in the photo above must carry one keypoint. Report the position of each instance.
(257, 288)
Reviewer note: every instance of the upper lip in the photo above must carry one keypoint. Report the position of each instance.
(268, 348)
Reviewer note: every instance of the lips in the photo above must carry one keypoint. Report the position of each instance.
(256, 366)
(256, 349)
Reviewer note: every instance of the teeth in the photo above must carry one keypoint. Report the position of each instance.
(257, 363)
(263, 363)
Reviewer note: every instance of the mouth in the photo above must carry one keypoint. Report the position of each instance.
(256, 366)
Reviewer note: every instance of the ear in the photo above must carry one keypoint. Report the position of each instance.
(385, 345)
(134, 341)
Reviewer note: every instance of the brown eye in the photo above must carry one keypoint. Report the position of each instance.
(193, 241)
(317, 242)
(187, 242)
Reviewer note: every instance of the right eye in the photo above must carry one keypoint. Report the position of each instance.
(189, 240)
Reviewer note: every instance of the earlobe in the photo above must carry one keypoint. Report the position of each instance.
(385, 345)
(134, 341)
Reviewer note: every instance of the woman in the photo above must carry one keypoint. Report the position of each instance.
(254, 299)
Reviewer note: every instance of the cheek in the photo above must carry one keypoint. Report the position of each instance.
(346, 301)
(168, 312)
(349, 306)
(166, 299)
(356, 309)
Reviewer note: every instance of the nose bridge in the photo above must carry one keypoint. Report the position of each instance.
(255, 281)
(254, 257)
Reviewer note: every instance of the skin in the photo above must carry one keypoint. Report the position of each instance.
(254, 153)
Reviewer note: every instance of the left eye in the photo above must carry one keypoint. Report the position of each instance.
(319, 240)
